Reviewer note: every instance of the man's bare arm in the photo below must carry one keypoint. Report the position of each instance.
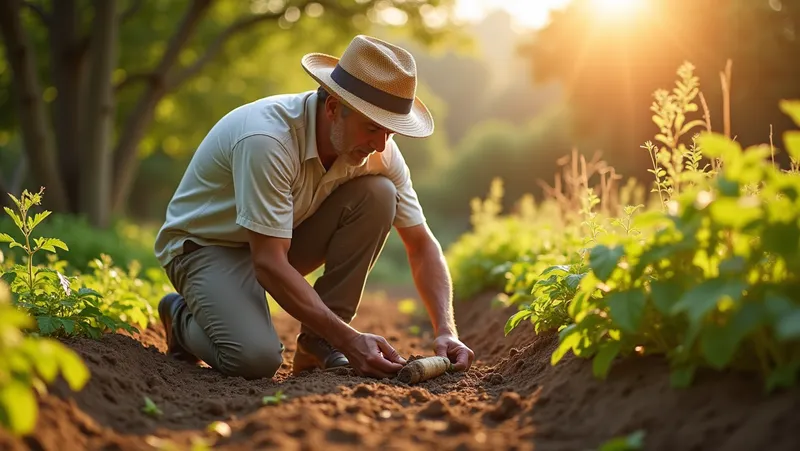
(431, 276)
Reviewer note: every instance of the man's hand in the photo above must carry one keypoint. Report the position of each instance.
(447, 345)
(371, 355)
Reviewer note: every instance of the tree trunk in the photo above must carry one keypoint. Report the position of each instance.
(126, 162)
(96, 178)
(65, 68)
(37, 136)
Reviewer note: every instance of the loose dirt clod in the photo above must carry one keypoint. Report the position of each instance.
(423, 369)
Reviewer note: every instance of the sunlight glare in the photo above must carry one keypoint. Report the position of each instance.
(616, 7)
(527, 13)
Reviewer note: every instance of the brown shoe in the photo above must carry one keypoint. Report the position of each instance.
(314, 352)
(168, 308)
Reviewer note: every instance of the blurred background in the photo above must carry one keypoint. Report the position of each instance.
(103, 103)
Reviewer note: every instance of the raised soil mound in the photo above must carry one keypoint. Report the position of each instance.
(512, 398)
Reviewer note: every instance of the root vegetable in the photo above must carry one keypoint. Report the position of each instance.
(423, 369)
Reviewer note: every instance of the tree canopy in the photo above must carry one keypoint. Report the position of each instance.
(88, 88)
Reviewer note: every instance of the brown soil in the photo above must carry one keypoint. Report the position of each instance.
(511, 399)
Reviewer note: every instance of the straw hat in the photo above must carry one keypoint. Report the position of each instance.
(377, 79)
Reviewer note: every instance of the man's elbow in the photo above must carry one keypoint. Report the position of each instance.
(267, 268)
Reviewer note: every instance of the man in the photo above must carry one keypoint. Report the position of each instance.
(284, 185)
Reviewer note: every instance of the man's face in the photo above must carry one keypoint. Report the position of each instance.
(355, 138)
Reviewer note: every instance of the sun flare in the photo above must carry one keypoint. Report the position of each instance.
(617, 7)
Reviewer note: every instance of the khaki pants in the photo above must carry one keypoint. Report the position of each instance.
(226, 322)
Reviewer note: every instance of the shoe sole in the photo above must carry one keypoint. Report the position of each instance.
(166, 321)
(304, 362)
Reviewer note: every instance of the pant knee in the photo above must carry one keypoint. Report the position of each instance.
(251, 360)
(380, 197)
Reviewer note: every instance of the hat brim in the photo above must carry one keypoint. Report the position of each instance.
(418, 123)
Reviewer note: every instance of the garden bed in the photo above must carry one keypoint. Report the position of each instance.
(512, 398)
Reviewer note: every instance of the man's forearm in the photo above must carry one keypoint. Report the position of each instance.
(295, 295)
(433, 282)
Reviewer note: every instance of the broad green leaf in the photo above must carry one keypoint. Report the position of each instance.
(563, 269)
(792, 109)
(6, 238)
(42, 354)
(603, 260)
(515, 319)
(569, 337)
(573, 281)
(792, 141)
(83, 292)
(69, 325)
(48, 324)
(50, 244)
(627, 309)
(665, 294)
(17, 220)
(73, 369)
(19, 405)
(14, 198)
(734, 213)
(788, 327)
(719, 343)
(108, 322)
(37, 218)
(716, 145)
(703, 298)
(602, 361)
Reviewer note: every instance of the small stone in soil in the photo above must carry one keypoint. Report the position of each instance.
(363, 391)
(418, 395)
(435, 408)
(505, 408)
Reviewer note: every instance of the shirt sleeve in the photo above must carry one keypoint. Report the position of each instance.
(262, 182)
(409, 211)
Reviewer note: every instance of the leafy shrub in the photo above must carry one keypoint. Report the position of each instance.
(480, 258)
(28, 363)
(124, 242)
(48, 294)
(707, 280)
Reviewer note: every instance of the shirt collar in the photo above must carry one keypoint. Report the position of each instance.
(311, 128)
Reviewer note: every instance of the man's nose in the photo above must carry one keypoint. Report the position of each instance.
(380, 145)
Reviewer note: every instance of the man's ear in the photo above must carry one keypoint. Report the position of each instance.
(332, 104)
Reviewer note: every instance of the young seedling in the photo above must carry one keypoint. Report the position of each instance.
(151, 408)
(275, 399)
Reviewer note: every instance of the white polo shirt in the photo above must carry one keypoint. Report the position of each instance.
(258, 169)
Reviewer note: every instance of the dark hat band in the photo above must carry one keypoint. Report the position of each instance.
(371, 94)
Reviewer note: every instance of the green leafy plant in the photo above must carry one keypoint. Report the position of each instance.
(631, 442)
(707, 280)
(46, 293)
(150, 408)
(275, 399)
(712, 286)
(28, 364)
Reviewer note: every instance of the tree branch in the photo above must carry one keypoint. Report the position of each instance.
(214, 48)
(134, 78)
(37, 8)
(142, 114)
